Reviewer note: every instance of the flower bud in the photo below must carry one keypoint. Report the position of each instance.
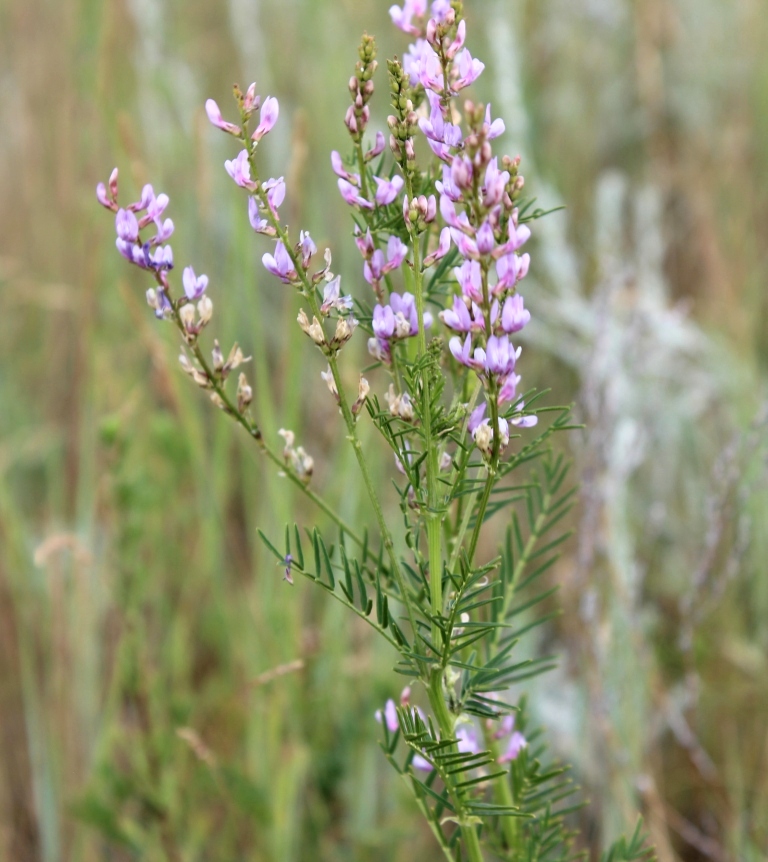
(363, 389)
(484, 439)
(327, 375)
(244, 393)
(205, 310)
(218, 356)
(344, 329)
(187, 315)
(113, 184)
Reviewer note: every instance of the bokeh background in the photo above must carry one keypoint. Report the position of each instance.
(163, 694)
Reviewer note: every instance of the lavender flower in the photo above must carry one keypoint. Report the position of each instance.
(194, 286)
(270, 111)
(333, 299)
(275, 189)
(214, 115)
(280, 264)
(388, 190)
(350, 194)
(402, 17)
(240, 171)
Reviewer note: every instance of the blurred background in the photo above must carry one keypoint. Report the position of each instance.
(163, 694)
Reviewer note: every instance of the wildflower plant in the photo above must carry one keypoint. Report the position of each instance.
(441, 224)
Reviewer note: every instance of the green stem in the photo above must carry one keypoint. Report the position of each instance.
(502, 794)
(309, 292)
(255, 432)
(445, 723)
(480, 513)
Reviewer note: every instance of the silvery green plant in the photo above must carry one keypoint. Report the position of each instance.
(441, 242)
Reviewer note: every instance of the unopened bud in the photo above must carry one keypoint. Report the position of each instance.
(314, 330)
(363, 389)
(113, 184)
(205, 310)
(152, 298)
(484, 438)
(327, 375)
(187, 315)
(218, 356)
(218, 400)
(244, 392)
(344, 329)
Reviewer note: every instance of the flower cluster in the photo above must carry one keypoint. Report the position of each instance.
(477, 201)
(152, 255)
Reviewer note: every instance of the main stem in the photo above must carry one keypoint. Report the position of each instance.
(445, 723)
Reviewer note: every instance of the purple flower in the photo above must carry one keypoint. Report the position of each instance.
(389, 716)
(517, 742)
(383, 322)
(132, 252)
(518, 236)
(126, 225)
(462, 352)
(499, 355)
(338, 168)
(399, 319)
(513, 316)
(508, 391)
(492, 129)
(351, 196)
(466, 245)
(194, 286)
(440, 9)
(402, 17)
(413, 60)
(147, 196)
(275, 189)
(251, 101)
(269, 114)
(510, 269)
(364, 243)
(469, 276)
(443, 246)
(388, 190)
(307, 247)
(378, 148)
(476, 417)
(164, 232)
(333, 299)
(448, 187)
(440, 135)
(259, 224)
(108, 197)
(457, 318)
(214, 115)
(430, 70)
(469, 70)
(375, 268)
(485, 238)
(494, 185)
(280, 264)
(240, 170)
